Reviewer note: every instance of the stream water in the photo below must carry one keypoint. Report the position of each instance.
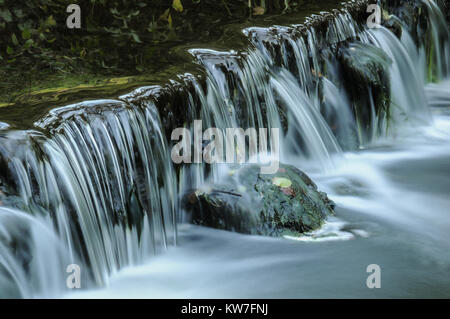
(392, 198)
(95, 185)
(393, 210)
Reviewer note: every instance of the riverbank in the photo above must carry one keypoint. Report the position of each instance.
(75, 65)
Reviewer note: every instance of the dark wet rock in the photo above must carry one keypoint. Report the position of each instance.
(287, 202)
(171, 99)
(446, 10)
(365, 76)
(394, 25)
(412, 15)
(366, 64)
(2, 196)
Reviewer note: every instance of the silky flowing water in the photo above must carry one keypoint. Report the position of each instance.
(393, 211)
(102, 192)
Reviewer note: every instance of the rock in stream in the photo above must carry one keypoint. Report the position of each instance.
(285, 203)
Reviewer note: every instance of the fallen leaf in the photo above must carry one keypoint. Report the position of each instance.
(169, 20)
(258, 11)
(14, 39)
(288, 191)
(281, 182)
(176, 4)
(165, 15)
(316, 73)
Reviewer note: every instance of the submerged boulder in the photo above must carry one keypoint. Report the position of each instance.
(285, 203)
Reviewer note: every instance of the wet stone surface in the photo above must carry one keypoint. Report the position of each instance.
(285, 203)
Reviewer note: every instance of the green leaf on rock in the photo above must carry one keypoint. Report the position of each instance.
(281, 182)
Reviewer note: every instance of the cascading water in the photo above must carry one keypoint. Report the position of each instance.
(101, 191)
(440, 37)
(32, 257)
(104, 184)
(408, 98)
(252, 94)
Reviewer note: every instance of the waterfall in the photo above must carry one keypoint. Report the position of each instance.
(32, 258)
(291, 79)
(440, 38)
(305, 122)
(94, 184)
(104, 181)
(407, 84)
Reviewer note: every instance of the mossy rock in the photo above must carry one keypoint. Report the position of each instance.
(365, 76)
(253, 203)
(366, 63)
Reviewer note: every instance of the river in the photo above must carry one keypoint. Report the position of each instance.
(392, 210)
